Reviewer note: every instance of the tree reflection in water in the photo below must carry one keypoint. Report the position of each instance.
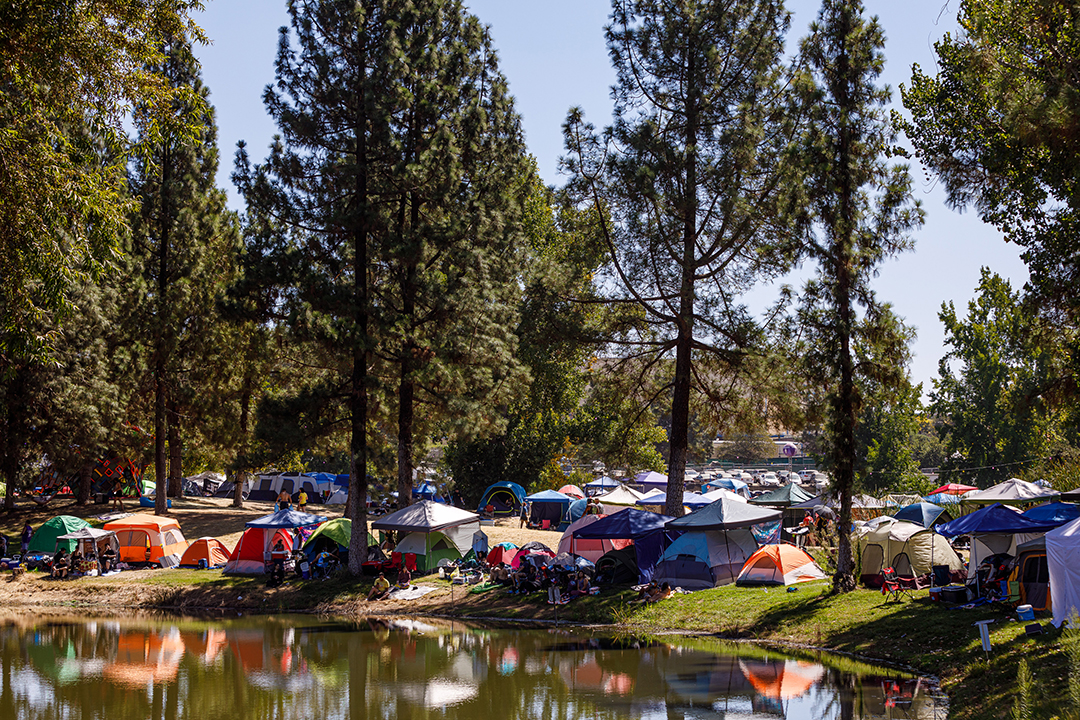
(283, 667)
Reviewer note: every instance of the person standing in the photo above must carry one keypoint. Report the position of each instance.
(301, 501)
(26, 537)
(283, 500)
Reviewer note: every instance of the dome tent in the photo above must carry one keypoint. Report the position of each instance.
(252, 552)
(779, 565)
(210, 551)
(589, 548)
(44, 540)
(504, 497)
(910, 549)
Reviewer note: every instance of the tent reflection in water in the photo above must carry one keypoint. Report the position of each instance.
(146, 657)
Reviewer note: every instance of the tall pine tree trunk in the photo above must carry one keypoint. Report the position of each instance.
(86, 481)
(160, 356)
(407, 383)
(845, 419)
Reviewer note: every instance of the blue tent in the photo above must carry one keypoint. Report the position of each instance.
(993, 519)
(427, 491)
(651, 480)
(550, 506)
(504, 497)
(1055, 512)
(286, 519)
(645, 528)
(601, 485)
(943, 499)
(704, 559)
(923, 513)
(731, 484)
(577, 509)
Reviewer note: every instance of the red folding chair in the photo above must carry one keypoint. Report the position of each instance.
(892, 587)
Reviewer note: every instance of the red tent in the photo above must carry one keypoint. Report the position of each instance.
(504, 552)
(953, 489)
(250, 555)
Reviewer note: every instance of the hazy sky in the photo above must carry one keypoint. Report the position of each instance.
(553, 54)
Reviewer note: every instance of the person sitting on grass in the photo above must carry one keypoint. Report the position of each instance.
(60, 564)
(380, 589)
(404, 577)
(500, 574)
(661, 593)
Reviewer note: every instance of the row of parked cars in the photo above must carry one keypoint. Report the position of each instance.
(807, 478)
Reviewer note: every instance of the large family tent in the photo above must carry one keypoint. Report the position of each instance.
(779, 565)
(149, 539)
(645, 529)
(910, 549)
(1011, 492)
(589, 548)
(1063, 562)
(44, 540)
(252, 552)
(268, 486)
(994, 530)
(549, 508)
(504, 497)
(205, 552)
(431, 531)
(716, 542)
(923, 513)
(1030, 576)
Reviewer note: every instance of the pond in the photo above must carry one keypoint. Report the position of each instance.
(288, 666)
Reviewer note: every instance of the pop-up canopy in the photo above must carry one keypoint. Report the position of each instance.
(1012, 492)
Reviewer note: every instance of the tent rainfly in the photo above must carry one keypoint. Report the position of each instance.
(432, 531)
(781, 564)
(1011, 492)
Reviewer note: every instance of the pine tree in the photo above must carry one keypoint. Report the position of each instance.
(690, 173)
(859, 211)
(183, 250)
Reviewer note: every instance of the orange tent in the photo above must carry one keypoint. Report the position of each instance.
(148, 539)
(779, 565)
(145, 657)
(782, 679)
(210, 550)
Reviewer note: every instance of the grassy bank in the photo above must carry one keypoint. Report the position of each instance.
(927, 637)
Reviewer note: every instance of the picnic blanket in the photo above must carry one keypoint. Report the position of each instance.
(410, 593)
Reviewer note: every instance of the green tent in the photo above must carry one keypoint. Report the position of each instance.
(338, 530)
(429, 549)
(44, 540)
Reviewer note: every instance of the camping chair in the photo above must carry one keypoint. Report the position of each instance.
(891, 586)
(410, 561)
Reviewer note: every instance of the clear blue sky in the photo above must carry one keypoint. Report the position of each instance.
(554, 57)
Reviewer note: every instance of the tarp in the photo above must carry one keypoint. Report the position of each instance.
(698, 560)
(1011, 492)
(505, 497)
(1055, 512)
(286, 519)
(726, 483)
(783, 496)
(996, 519)
(210, 550)
(910, 549)
(779, 565)
(589, 548)
(724, 514)
(953, 489)
(44, 539)
(1063, 562)
(923, 513)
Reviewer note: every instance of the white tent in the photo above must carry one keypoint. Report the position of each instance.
(1011, 492)
(619, 498)
(910, 549)
(723, 493)
(1063, 562)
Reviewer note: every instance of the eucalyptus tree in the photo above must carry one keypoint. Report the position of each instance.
(183, 247)
(859, 211)
(396, 185)
(690, 174)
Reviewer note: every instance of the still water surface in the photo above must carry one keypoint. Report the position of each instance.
(283, 667)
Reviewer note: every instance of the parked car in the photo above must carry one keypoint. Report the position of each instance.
(769, 478)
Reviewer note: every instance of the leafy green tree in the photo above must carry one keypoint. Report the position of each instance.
(886, 437)
(989, 392)
(997, 124)
(183, 251)
(860, 211)
(68, 66)
(690, 174)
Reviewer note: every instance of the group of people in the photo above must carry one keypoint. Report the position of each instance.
(382, 587)
(64, 563)
(284, 500)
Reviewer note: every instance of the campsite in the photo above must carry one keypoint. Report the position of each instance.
(734, 581)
